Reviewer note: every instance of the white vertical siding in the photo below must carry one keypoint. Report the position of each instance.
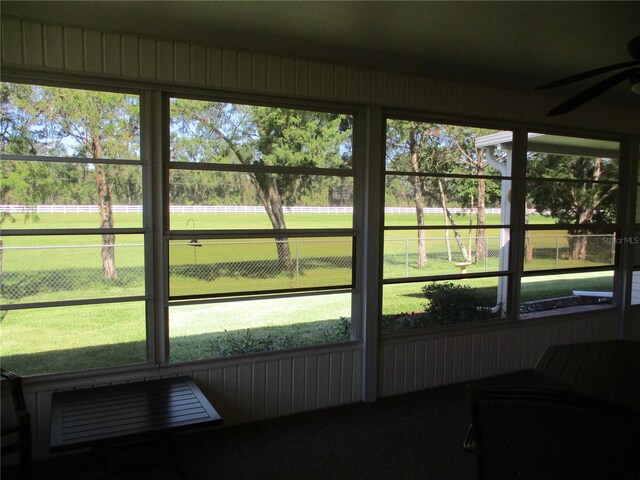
(74, 50)
(242, 390)
(421, 361)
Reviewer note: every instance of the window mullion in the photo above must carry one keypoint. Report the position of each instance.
(518, 210)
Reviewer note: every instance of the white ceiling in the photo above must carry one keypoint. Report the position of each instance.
(516, 44)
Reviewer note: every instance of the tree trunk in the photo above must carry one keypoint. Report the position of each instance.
(422, 248)
(267, 189)
(447, 240)
(417, 197)
(578, 246)
(105, 208)
(456, 231)
(528, 246)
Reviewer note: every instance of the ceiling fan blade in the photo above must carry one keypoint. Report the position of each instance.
(592, 92)
(588, 74)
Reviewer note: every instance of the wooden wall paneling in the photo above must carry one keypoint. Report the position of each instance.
(315, 79)
(435, 92)
(53, 47)
(458, 358)
(298, 382)
(400, 90)
(377, 87)
(430, 359)
(288, 78)
(274, 76)
(384, 370)
(272, 389)
(259, 70)
(346, 377)
(439, 362)
(12, 41)
(421, 95)
(328, 81)
(341, 83)
(148, 59)
(214, 390)
(353, 84)
(181, 63)
(301, 68)
(420, 370)
(229, 69)
(245, 390)
(411, 93)
(40, 46)
(259, 390)
(388, 89)
(285, 383)
(111, 51)
(74, 49)
(311, 382)
(443, 99)
(165, 62)
(324, 377)
(198, 62)
(409, 380)
(214, 67)
(399, 367)
(245, 71)
(34, 43)
(93, 52)
(230, 392)
(131, 56)
(467, 357)
(356, 380)
(365, 85)
(335, 378)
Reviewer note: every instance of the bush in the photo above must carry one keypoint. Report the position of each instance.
(239, 343)
(449, 304)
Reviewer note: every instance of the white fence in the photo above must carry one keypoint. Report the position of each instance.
(16, 209)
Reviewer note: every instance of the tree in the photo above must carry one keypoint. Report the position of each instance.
(576, 202)
(75, 123)
(432, 148)
(254, 136)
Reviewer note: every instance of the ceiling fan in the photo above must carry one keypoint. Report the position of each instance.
(633, 74)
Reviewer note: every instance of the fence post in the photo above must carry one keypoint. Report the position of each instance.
(297, 265)
(613, 248)
(406, 257)
(557, 249)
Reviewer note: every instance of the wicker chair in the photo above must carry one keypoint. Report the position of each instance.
(16, 427)
(539, 433)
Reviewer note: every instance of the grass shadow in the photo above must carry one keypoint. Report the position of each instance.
(184, 348)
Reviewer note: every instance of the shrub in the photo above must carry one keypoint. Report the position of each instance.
(239, 343)
(449, 303)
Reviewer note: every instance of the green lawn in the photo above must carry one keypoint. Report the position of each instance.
(70, 338)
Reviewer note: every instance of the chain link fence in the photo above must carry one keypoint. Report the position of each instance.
(73, 272)
(407, 257)
(219, 266)
(65, 272)
(545, 251)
